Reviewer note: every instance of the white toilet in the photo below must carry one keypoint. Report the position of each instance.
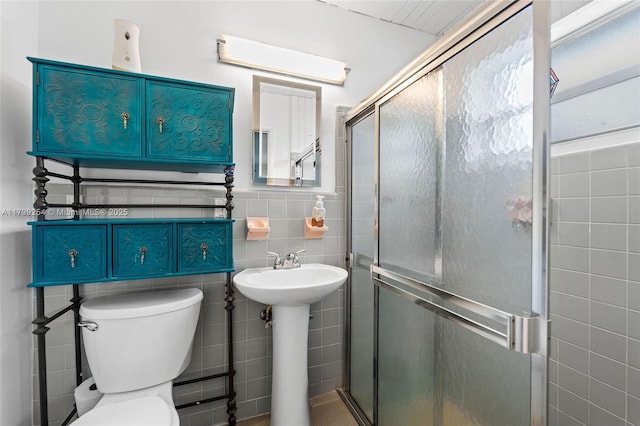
(136, 345)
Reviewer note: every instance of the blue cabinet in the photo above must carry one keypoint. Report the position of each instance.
(97, 117)
(103, 250)
(94, 117)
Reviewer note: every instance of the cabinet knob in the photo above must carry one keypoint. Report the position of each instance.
(125, 119)
(72, 254)
(143, 251)
(204, 248)
(160, 121)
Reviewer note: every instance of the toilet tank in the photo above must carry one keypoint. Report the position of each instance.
(141, 339)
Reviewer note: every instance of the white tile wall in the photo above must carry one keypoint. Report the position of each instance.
(595, 289)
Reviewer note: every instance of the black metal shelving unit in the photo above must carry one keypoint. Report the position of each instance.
(41, 322)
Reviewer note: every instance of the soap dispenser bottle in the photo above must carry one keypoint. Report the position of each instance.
(318, 212)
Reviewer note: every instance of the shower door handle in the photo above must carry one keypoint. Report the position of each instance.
(518, 333)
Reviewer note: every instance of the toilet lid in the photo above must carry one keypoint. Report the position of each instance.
(146, 411)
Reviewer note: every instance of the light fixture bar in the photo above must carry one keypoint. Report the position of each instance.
(262, 56)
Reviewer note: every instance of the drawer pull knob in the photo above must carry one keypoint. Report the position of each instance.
(125, 119)
(143, 251)
(160, 121)
(204, 248)
(72, 254)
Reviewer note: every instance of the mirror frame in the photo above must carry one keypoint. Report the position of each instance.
(259, 180)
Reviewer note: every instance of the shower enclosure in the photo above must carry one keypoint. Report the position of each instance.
(447, 296)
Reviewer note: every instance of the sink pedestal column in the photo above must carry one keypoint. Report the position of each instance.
(290, 384)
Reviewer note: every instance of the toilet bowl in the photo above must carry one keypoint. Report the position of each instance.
(149, 410)
(136, 345)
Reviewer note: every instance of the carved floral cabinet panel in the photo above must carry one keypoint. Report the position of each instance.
(65, 254)
(188, 123)
(140, 250)
(88, 112)
(202, 247)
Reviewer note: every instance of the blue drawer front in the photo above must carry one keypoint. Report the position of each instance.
(196, 123)
(71, 254)
(142, 250)
(204, 247)
(84, 112)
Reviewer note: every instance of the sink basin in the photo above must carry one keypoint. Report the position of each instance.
(290, 293)
(290, 287)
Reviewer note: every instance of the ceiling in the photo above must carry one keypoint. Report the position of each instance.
(431, 16)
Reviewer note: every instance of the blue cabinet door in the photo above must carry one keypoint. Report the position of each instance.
(188, 123)
(70, 255)
(88, 113)
(205, 247)
(142, 250)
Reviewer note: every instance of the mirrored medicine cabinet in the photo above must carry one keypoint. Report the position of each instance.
(286, 133)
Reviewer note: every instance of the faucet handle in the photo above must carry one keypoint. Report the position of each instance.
(291, 260)
(294, 254)
(277, 262)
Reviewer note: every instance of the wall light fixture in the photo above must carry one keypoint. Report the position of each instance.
(262, 56)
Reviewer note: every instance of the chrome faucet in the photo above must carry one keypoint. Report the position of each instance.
(290, 261)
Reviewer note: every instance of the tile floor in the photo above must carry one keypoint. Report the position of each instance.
(326, 410)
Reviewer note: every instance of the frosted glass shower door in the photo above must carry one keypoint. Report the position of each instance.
(411, 136)
(460, 266)
(362, 197)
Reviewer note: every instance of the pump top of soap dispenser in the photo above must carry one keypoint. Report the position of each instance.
(319, 199)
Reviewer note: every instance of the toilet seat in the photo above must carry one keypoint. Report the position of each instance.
(145, 411)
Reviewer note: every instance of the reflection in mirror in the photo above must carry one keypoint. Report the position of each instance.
(286, 133)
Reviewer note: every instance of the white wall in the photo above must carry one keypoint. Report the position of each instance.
(15, 192)
(594, 69)
(178, 40)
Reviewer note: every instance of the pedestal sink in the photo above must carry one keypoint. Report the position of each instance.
(290, 292)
